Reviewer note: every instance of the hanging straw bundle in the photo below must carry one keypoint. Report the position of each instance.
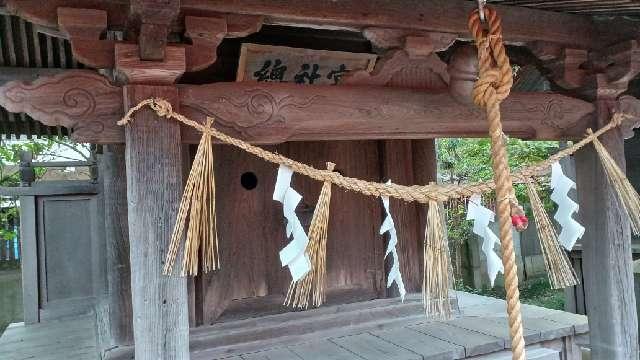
(625, 191)
(313, 283)
(559, 269)
(435, 284)
(199, 202)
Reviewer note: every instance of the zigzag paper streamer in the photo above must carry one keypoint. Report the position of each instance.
(389, 226)
(561, 185)
(481, 217)
(294, 254)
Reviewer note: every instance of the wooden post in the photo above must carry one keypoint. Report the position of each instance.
(607, 262)
(117, 237)
(154, 185)
(29, 252)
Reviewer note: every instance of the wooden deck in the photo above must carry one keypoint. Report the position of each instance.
(378, 329)
(71, 338)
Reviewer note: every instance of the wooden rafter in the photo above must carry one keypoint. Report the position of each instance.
(520, 24)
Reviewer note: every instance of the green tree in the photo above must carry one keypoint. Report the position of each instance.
(469, 160)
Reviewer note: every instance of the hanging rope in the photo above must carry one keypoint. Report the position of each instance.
(493, 86)
(418, 193)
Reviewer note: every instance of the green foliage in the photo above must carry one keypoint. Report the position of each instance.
(10, 155)
(469, 160)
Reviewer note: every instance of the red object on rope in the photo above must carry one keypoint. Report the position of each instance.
(520, 222)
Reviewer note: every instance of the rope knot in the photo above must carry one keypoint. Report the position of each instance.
(162, 107)
(485, 89)
(495, 75)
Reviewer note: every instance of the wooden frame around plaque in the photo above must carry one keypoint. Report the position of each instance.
(303, 66)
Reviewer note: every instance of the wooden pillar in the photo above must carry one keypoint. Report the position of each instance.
(29, 260)
(607, 262)
(113, 170)
(154, 186)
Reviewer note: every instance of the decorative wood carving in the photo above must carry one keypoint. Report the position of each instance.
(81, 100)
(273, 113)
(83, 28)
(417, 58)
(276, 112)
(138, 71)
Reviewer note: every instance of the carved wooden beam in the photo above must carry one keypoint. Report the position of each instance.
(273, 113)
(269, 113)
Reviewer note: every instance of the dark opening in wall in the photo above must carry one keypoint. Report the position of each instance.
(249, 180)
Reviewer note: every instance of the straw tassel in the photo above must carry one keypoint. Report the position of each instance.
(617, 178)
(199, 202)
(314, 282)
(436, 284)
(559, 269)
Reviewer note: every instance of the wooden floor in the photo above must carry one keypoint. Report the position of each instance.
(379, 329)
(72, 338)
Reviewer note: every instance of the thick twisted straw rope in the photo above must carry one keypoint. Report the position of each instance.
(419, 193)
(492, 87)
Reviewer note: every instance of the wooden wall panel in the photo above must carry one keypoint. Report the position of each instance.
(247, 233)
(354, 247)
(398, 166)
(251, 230)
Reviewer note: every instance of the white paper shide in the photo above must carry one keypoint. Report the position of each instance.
(294, 254)
(481, 217)
(389, 226)
(571, 230)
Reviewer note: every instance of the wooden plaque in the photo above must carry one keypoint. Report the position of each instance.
(266, 63)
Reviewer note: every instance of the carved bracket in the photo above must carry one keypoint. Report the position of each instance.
(85, 27)
(138, 71)
(409, 62)
(565, 64)
(205, 34)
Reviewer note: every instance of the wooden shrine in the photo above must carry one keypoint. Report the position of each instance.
(375, 124)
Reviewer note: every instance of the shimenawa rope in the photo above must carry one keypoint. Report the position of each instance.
(418, 193)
